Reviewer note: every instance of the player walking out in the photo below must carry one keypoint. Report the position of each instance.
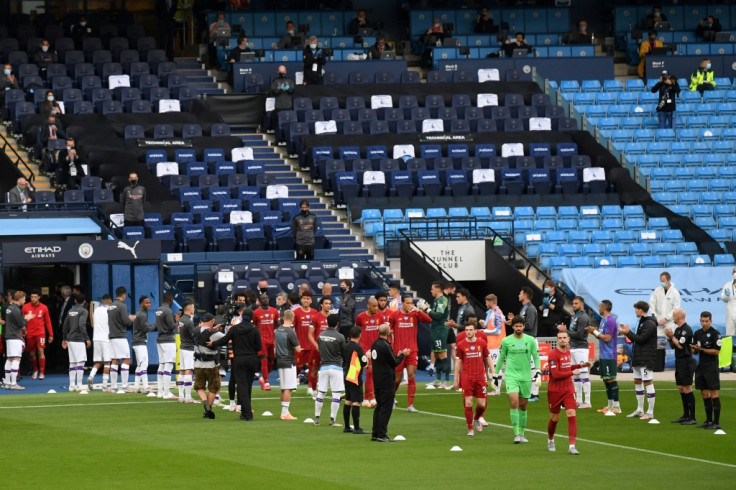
(560, 392)
(578, 342)
(471, 372)
(439, 313)
(266, 318)
(286, 345)
(516, 351)
(644, 356)
(319, 325)
(36, 330)
(368, 321)
(495, 329)
(101, 350)
(304, 319)
(607, 335)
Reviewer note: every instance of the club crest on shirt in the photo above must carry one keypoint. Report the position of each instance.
(472, 347)
(406, 318)
(372, 322)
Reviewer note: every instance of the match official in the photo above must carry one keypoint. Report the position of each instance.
(707, 343)
(384, 367)
(680, 341)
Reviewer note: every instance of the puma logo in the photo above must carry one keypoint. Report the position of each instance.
(129, 248)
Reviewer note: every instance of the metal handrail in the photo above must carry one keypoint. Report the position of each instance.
(6, 145)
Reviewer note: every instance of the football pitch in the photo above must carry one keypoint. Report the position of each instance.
(104, 440)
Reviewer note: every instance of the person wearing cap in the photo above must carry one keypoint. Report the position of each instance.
(303, 228)
(246, 340)
(668, 90)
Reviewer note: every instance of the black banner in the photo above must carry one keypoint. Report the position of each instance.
(164, 143)
(445, 138)
(85, 251)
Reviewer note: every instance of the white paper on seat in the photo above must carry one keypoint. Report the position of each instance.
(323, 127)
(61, 107)
(414, 214)
(270, 104)
(540, 124)
(483, 175)
(118, 219)
(401, 151)
(489, 75)
(168, 105)
(240, 217)
(240, 154)
(593, 173)
(225, 276)
(346, 273)
(512, 150)
(433, 126)
(379, 101)
(487, 99)
(299, 78)
(276, 191)
(374, 177)
(115, 81)
(167, 168)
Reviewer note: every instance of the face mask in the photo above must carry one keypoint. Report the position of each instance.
(437, 25)
(82, 24)
(44, 48)
(133, 182)
(69, 148)
(546, 290)
(361, 19)
(657, 14)
(7, 72)
(710, 24)
(50, 98)
(263, 290)
(707, 67)
(222, 22)
(313, 46)
(652, 39)
(663, 284)
(282, 75)
(291, 32)
(583, 28)
(305, 212)
(343, 290)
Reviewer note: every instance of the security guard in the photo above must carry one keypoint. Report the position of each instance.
(384, 368)
(703, 78)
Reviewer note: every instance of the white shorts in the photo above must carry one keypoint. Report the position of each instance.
(77, 352)
(643, 373)
(166, 352)
(494, 353)
(120, 348)
(287, 378)
(186, 360)
(101, 351)
(580, 356)
(15, 347)
(332, 378)
(141, 354)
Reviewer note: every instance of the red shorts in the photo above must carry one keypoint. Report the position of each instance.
(559, 399)
(268, 350)
(303, 358)
(410, 360)
(35, 342)
(314, 360)
(474, 387)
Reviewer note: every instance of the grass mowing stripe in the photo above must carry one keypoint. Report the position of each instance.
(608, 444)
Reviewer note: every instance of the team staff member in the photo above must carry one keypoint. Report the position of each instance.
(74, 335)
(707, 343)
(551, 309)
(246, 346)
(680, 340)
(385, 365)
(405, 327)
(314, 60)
(644, 357)
(37, 329)
(579, 350)
(607, 335)
(354, 362)
(472, 367)
(703, 78)
(495, 330)
(286, 346)
(303, 228)
(560, 391)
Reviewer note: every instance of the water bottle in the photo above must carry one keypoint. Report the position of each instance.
(592, 38)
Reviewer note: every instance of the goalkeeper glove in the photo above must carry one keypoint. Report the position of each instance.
(537, 378)
(727, 292)
(494, 383)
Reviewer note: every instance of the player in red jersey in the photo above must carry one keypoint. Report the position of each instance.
(37, 329)
(318, 326)
(561, 392)
(471, 374)
(266, 318)
(368, 321)
(304, 318)
(405, 326)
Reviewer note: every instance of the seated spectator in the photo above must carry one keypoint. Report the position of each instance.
(435, 33)
(44, 57)
(7, 82)
(518, 43)
(359, 22)
(290, 40)
(80, 30)
(645, 49)
(51, 105)
(282, 88)
(707, 28)
(69, 169)
(242, 47)
(21, 193)
(377, 49)
(484, 22)
(219, 23)
(581, 36)
(703, 78)
(654, 16)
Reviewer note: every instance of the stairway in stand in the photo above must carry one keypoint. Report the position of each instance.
(200, 78)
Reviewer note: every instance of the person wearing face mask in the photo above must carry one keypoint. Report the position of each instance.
(219, 23)
(69, 168)
(242, 47)
(665, 299)
(7, 81)
(654, 16)
(668, 90)
(707, 28)
(290, 40)
(314, 60)
(703, 78)
(484, 22)
(303, 228)
(645, 49)
(81, 30)
(44, 57)
(282, 88)
(582, 35)
(51, 105)
(728, 296)
(359, 22)
(551, 310)
(132, 198)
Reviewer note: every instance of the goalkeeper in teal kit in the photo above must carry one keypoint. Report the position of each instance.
(515, 351)
(440, 313)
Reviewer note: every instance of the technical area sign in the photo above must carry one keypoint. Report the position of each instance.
(74, 251)
(464, 260)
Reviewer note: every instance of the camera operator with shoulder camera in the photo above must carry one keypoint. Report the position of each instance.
(206, 367)
(668, 90)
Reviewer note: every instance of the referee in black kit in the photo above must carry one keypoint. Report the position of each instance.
(384, 377)
(680, 340)
(707, 344)
(246, 344)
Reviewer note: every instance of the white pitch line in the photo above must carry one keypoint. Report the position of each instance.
(608, 444)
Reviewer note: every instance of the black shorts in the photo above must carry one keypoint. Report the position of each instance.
(707, 378)
(353, 392)
(684, 371)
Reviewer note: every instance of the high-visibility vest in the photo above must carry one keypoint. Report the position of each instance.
(698, 78)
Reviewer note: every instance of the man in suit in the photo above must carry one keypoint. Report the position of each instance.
(165, 11)
(377, 49)
(69, 170)
(21, 193)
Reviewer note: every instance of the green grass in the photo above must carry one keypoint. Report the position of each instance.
(105, 441)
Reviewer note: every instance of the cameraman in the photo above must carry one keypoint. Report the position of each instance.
(668, 89)
(206, 368)
(246, 345)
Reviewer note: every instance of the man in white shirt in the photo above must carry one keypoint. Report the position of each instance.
(665, 299)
